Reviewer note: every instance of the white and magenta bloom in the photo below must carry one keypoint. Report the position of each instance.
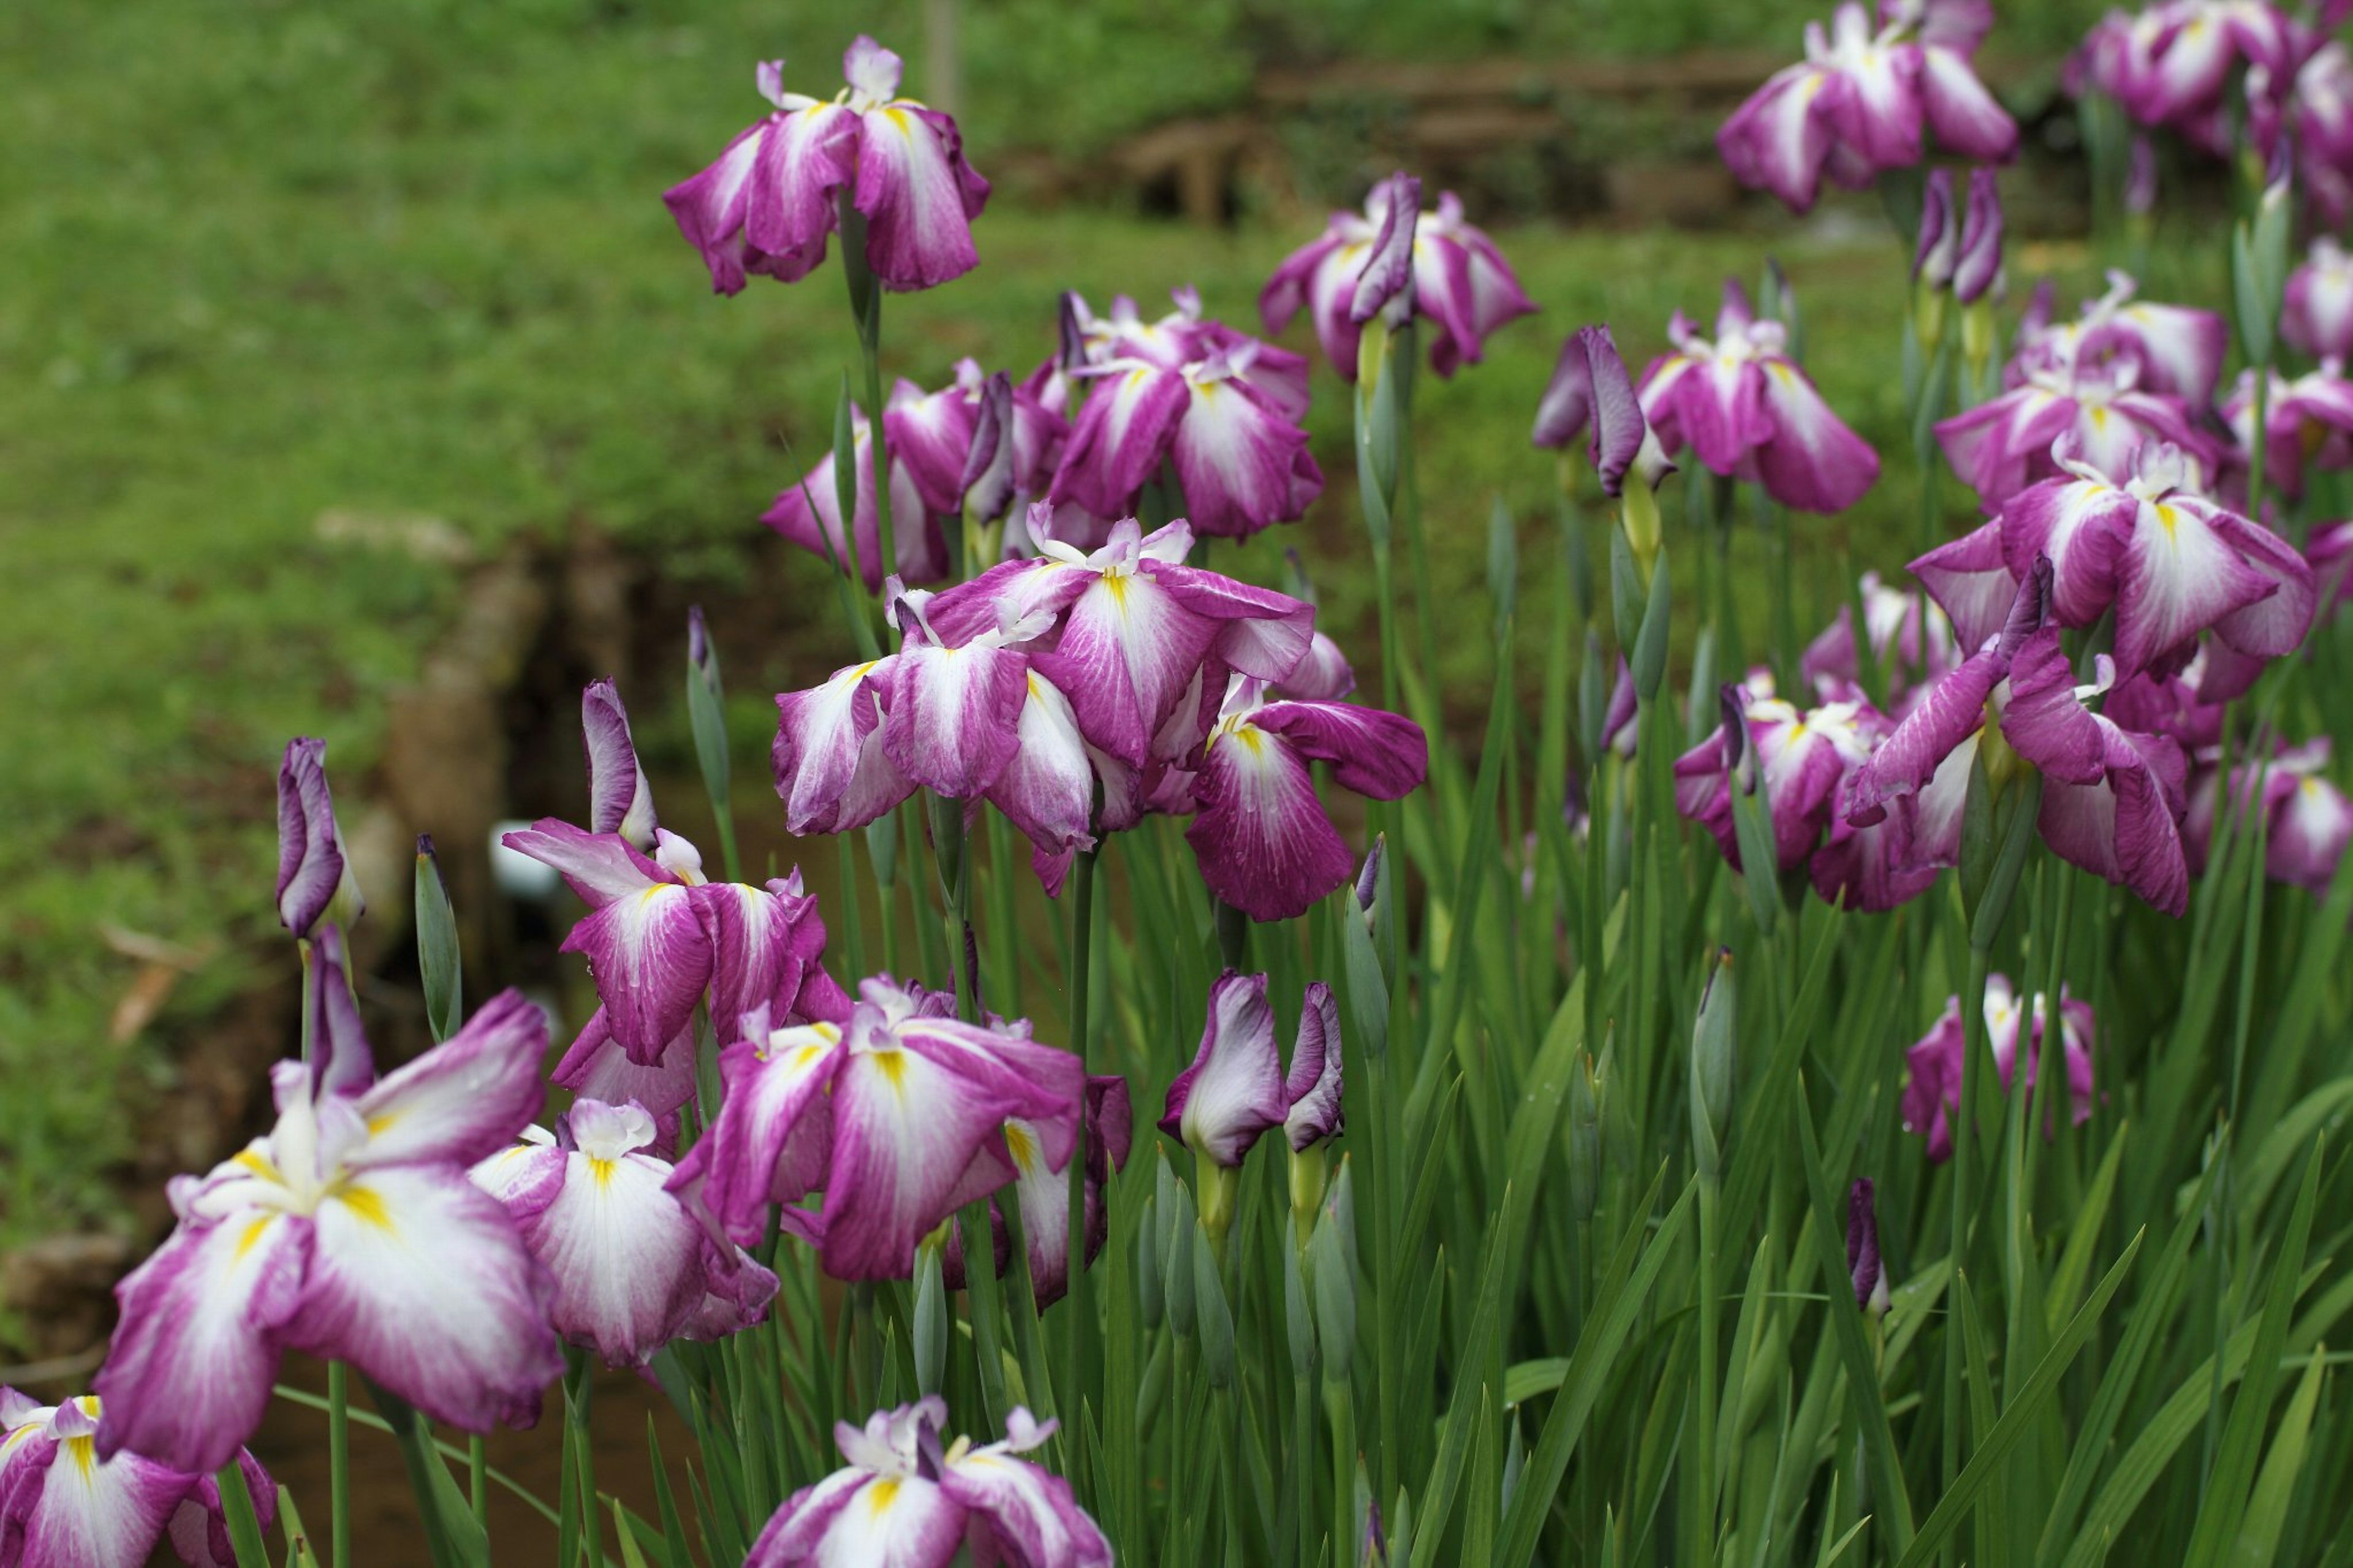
(632, 1266)
(1977, 267)
(1265, 844)
(2308, 418)
(1933, 1091)
(2316, 318)
(1313, 1086)
(2171, 64)
(2174, 349)
(903, 1500)
(660, 936)
(1745, 408)
(1799, 759)
(62, 1506)
(1858, 103)
(1044, 1195)
(898, 1115)
(2098, 408)
(349, 1231)
(1457, 279)
(772, 201)
(809, 513)
(1233, 1092)
(313, 871)
(2308, 820)
(1221, 409)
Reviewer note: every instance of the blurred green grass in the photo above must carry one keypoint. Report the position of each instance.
(405, 258)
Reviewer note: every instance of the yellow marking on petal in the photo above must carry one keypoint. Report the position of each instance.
(1117, 583)
(892, 1065)
(600, 1170)
(2099, 416)
(1032, 680)
(1250, 736)
(806, 1055)
(1019, 1144)
(1782, 370)
(252, 1236)
(259, 1163)
(376, 1124)
(883, 1493)
(362, 1202)
(2169, 518)
(84, 1453)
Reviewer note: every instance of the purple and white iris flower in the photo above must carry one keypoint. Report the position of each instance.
(2308, 820)
(1219, 407)
(2316, 317)
(1933, 1091)
(2113, 799)
(2171, 64)
(2306, 418)
(1858, 103)
(314, 873)
(1235, 1090)
(659, 935)
(349, 1231)
(1044, 1195)
(1911, 640)
(1800, 759)
(2174, 349)
(772, 201)
(61, 1506)
(809, 513)
(1458, 281)
(632, 1266)
(1745, 408)
(903, 1500)
(1591, 396)
(898, 1115)
(2329, 551)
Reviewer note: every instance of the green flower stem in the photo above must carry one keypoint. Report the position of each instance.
(339, 1464)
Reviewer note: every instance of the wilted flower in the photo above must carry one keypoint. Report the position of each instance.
(770, 203)
(1933, 1091)
(903, 1500)
(898, 1115)
(63, 1507)
(632, 1266)
(1857, 104)
(313, 871)
(349, 1231)
(1461, 284)
(1748, 410)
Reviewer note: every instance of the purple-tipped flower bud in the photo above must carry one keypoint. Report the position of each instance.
(1869, 1278)
(313, 871)
(1590, 390)
(987, 482)
(1940, 233)
(620, 799)
(1739, 756)
(1385, 287)
(699, 656)
(1979, 263)
(1231, 1096)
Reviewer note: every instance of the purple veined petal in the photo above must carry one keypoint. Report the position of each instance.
(774, 1134)
(857, 1516)
(1971, 582)
(2182, 348)
(1804, 763)
(2310, 828)
(1720, 404)
(188, 1375)
(650, 958)
(199, 1527)
(1386, 280)
(1120, 434)
(2046, 721)
(1261, 835)
(1045, 1193)
(1129, 648)
(1777, 141)
(1813, 462)
(1031, 1513)
(1048, 789)
(1496, 296)
(1864, 1270)
(809, 515)
(1969, 121)
(933, 434)
(341, 1060)
(1873, 868)
(1331, 289)
(1313, 1085)
(2177, 574)
(711, 208)
(738, 1292)
(1006, 595)
(1442, 294)
(752, 960)
(951, 715)
(599, 867)
(831, 766)
(1232, 1093)
(1376, 753)
(1879, 114)
(2081, 525)
(1242, 465)
(2001, 446)
(1948, 713)
(63, 1506)
(1939, 243)
(995, 468)
(1040, 1083)
(804, 159)
(917, 194)
(419, 1279)
(1975, 274)
(914, 1141)
(1935, 1081)
(526, 1175)
(1660, 395)
(2126, 828)
(625, 1255)
(1589, 388)
(467, 1097)
(2274, 625)
(1703, 790)
(311, 866)
(1324, 675)
(619, 800)
(1260, 632)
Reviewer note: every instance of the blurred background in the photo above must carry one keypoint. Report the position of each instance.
(354, 381)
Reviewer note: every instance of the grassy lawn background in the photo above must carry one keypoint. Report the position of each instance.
(400, 259)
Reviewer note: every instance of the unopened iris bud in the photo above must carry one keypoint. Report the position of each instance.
(1314, 1089)
(1932, 259)
(314, 872)
(1714, 1049)
(1176, 1221)
(1369, 882)
(1232, 1094)
(1862, 1263)
(1149, 1299)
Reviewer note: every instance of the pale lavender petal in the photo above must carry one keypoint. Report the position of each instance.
(857, 1518)
(1313, 1085)
(1232, 1092)
(619, 800)
(467, 1097)
(311, 866)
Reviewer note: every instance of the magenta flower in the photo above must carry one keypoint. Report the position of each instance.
(1977, 267)
(349, 1231)
(1798, 758)
(631, 1264)
(313, 871)
(61, 1506)
(898, 1116)
(1748, 412)
(1264, 842)
(1460, 283)
(1933, 1091)
(1044, 1195)
(1590, 394)
(2329, 551)
(659, 936)
(809, 513)
(1858, 104)
(769, 204)
(1221, 409)
(1313, 1084)
(2011, 442)
(2174, 351)
(2307, 817)
(2317, 316)
(902, 1501)
(2305, 418)
(1235, 1091)
(1894, 621)
(2170, 64)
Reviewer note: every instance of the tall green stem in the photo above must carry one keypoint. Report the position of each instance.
(866, 308)
(339, 1464)
(1077, 1310)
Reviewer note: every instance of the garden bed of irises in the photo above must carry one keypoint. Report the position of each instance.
(1607, 1147)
